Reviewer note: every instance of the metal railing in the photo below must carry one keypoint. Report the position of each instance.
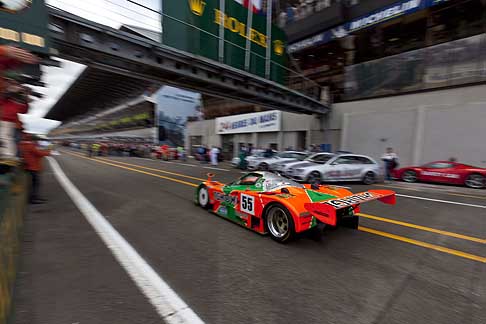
(13, 193)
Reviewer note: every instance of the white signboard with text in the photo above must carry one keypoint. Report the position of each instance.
(268, 121)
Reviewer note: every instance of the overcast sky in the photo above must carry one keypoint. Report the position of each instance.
(113, 13)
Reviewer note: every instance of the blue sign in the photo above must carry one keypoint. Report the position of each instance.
(398, 9)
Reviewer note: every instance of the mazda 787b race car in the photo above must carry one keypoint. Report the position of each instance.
(268, 203)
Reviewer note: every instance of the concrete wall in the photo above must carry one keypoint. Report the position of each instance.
(421, 127)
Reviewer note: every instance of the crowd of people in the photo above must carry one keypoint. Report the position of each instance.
(129, 149)
(17, 148)
(301, 9)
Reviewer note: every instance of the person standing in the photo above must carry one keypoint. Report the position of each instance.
(15, 102)
(390, 159)
(181, 153)
(214, 155)
(32, 156)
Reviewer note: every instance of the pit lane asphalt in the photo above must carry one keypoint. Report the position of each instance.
(228, 274)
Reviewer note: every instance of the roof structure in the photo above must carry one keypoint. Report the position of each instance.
(96, 90)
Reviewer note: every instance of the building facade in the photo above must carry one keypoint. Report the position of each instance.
(276, 129)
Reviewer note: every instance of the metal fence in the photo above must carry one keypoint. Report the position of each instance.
(13, 193)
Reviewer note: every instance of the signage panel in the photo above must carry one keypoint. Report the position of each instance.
(268, 121)
(194, 25)
(398, 9)
(24, 23)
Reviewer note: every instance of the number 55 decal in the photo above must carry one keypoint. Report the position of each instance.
(247, 204)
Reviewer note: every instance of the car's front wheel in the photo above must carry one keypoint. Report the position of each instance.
(314, 178)
(280, 224)
(369, 178)
(409, 176)
(263, 166)
(475, 181)
(203, 197)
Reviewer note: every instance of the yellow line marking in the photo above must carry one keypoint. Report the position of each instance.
(424, 244)
(361, 228)
(146, 168)
(439, 192)
(135, 170)
(424, 228)
(153, 169)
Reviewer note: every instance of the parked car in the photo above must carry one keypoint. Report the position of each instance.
(235, 162)
(319, 158)
(267, 163)
(343, 167)
(444, 172)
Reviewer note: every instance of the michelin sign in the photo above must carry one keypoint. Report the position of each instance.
(398, 9)
(268, 121)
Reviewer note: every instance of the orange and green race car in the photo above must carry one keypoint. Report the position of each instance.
(268, 203)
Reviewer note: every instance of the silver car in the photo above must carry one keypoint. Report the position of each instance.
(344, 167)
(317, 158)
(267, 163)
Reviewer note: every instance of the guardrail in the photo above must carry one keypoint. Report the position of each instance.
(13, 198)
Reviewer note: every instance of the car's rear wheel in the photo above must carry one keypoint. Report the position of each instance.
(280, 224)
(314, 178)
(203, 197)
(409, 176)
(475, 181)
(369, 178)
(263, 166)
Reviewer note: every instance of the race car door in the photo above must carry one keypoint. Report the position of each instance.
(438, 172)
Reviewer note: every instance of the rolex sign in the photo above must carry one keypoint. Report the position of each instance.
(24, 23)
(194, 26)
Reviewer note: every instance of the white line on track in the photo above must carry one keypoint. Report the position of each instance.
(219, 169)
(168, 304)
(442, 201)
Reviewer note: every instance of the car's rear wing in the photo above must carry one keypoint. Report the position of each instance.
(326, 211)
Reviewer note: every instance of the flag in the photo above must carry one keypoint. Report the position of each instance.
(257, 5)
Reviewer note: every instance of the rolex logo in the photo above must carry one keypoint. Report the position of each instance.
(197, 7)
(278, 47)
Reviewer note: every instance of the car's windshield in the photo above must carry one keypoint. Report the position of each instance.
(319, 158)
(274, 182)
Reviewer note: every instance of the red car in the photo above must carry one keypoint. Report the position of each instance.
(444, 172)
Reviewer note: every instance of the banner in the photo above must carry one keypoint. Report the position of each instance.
(396, 10)
(24, 23)
(268, 121)
(194, 26)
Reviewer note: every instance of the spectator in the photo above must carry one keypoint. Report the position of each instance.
(391, 162)
(14, 103)
(243, 163)
(96, 149)
(10, 57)
(181, 153)
(32, 156)
(268, 152)
(214, 155)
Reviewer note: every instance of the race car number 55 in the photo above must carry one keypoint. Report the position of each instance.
(247, 204)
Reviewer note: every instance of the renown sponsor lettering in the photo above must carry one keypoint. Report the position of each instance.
(351, 200)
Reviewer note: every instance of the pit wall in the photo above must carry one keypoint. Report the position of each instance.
(421, 127)
(13, 198)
